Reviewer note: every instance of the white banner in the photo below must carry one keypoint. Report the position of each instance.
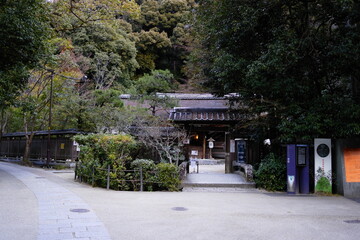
(323, 176)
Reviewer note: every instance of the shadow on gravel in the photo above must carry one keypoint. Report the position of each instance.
(355, 199)
(283, 194)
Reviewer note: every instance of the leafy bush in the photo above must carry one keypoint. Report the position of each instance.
(146, 164)
(148, 167)
(323, 185)
(157, 81)
(271, 174)
(168, 176)
(98, 151)
(323, 181)
(163, 176)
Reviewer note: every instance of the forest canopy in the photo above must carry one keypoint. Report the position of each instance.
(294, 64)
(82, 51)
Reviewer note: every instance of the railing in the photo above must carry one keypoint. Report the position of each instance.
(135, 176)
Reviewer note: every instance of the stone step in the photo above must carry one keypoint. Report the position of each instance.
(211, 161)
(220, 189)
(212, 178)
(219, 185)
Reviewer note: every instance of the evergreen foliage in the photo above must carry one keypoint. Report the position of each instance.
(107, 54)
(24, 31)
(99, 151)
(157, 81)
(294, 63)
(271, 174)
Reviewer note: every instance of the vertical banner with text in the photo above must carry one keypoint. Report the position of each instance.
(323, 175)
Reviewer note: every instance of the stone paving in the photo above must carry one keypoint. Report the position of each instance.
(212, 178)
(206, 215)
(62, 214)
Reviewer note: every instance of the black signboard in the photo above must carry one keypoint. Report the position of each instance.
(301, 156)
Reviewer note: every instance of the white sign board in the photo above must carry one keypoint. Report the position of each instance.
(194, 152)
(211, 144)
(232, 146)
(323, 176)
(77, 146)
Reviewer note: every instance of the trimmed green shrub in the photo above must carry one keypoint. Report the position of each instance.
(323, 185)
(271, 174)
(158, 177)
(98, 151)
(149, 179)
(323, 181)
(144, 163)
(168, 176)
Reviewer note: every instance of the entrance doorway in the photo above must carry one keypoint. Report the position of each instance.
(210, 157)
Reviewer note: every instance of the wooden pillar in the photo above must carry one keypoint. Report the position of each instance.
(228, 164)
(56, 146)
(232, 152)
(204, 147)
(8, 147)
(229, 153)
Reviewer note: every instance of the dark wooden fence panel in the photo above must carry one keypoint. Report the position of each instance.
(61, 147)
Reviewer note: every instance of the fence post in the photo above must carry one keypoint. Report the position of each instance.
(76, 165)
(93, 176)
(80, 175)
(108, 178)
(141, 180)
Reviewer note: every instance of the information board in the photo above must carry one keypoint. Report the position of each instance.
(323, 175)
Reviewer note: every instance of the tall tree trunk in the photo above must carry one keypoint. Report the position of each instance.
(29, 138)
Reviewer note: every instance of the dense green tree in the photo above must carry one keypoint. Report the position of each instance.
(162, 30)
(71, 15)
(106, 54)
(74, 102)
(24, 30)
(294, 63)
(103, 38)
(157, 81)
(148, 87)
(149, 45)
(103, 47)
(107, 111)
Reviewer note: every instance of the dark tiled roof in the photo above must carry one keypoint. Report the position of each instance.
(180, 96)
(204, 114)
(190, 96)
(45, 132)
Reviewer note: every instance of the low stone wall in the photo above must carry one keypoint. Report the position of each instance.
(183, 169)
(247, 169)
